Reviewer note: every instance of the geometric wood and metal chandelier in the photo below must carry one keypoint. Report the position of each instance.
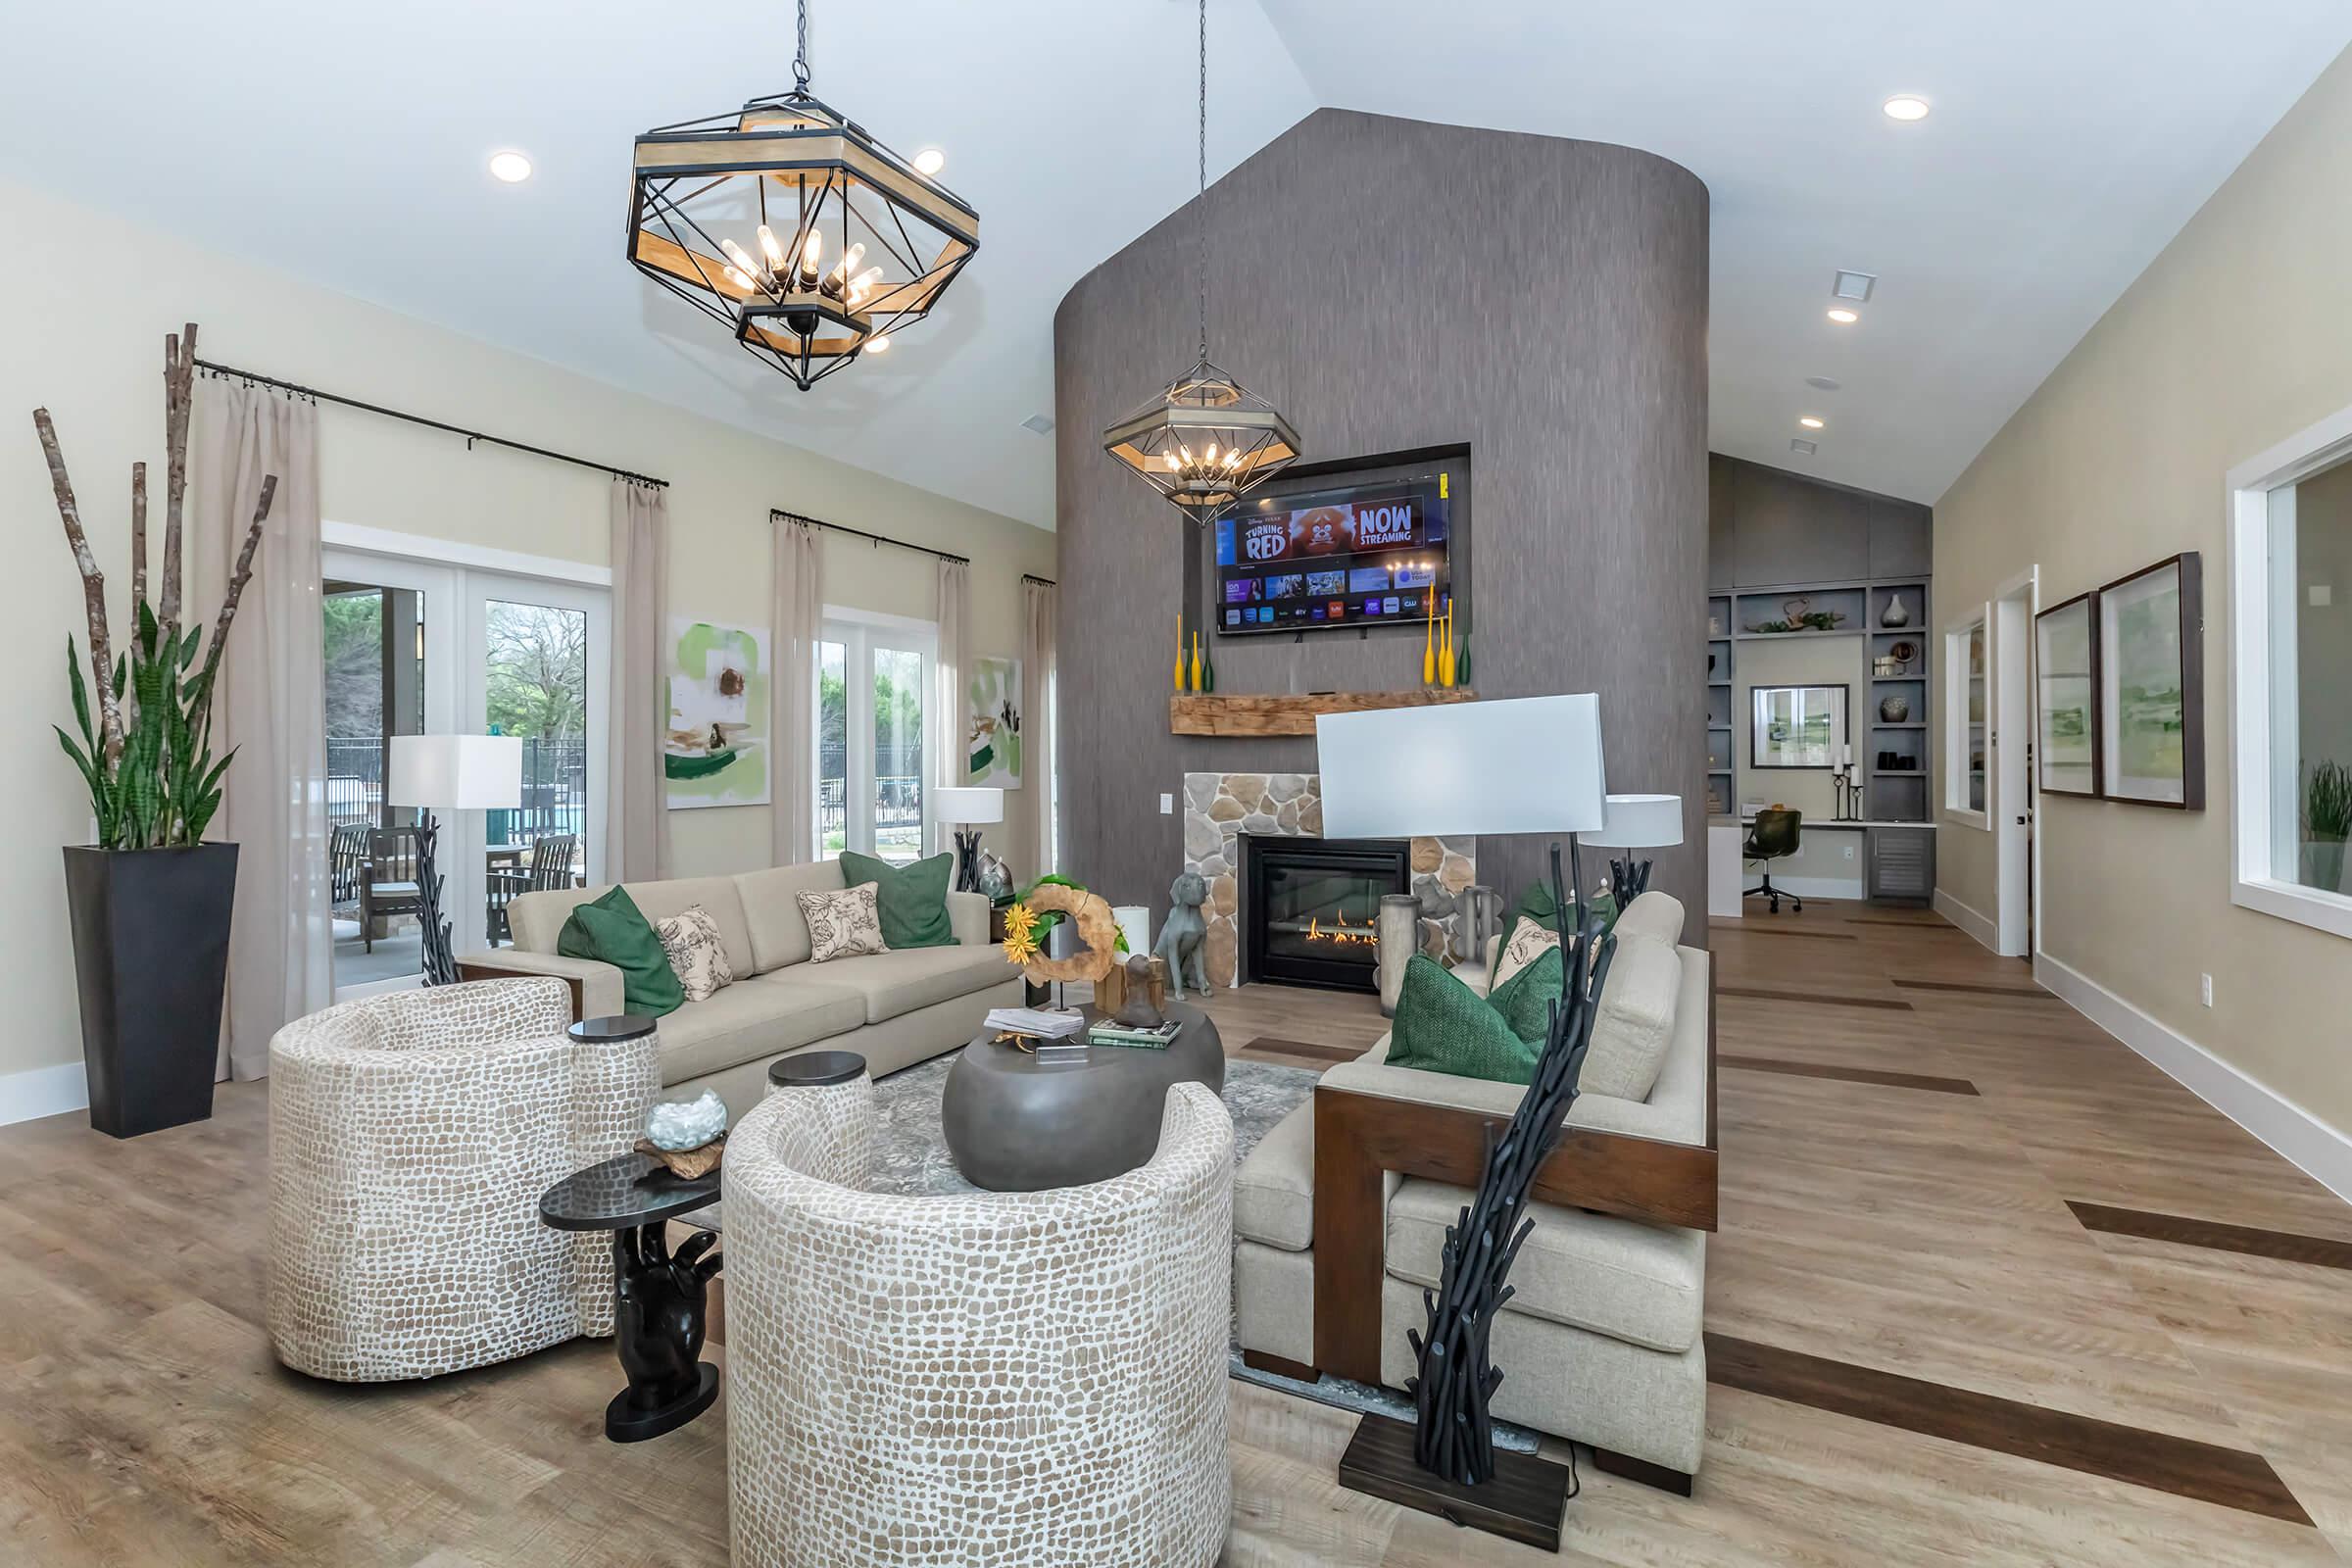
(784, 220)
(1206, 440)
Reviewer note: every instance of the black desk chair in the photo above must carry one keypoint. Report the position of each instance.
(1773, 836)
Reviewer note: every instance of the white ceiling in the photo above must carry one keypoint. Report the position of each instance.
(2070, 140)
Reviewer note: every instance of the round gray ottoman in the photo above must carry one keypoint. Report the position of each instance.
(1016, 1125)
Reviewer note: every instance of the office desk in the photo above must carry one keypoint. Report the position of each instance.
(1894, 863)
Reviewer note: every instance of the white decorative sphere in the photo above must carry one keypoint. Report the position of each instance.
(678, 1125)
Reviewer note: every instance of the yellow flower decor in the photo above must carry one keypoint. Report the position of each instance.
(1020, 932)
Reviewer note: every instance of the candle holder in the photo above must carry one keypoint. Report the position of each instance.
(1848, 791)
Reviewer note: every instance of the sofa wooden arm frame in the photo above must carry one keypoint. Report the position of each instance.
(491, 971)
(1360, 1136)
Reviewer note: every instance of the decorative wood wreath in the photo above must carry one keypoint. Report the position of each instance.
(1097, 935)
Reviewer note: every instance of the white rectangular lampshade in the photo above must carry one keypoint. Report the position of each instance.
(1641, 823)
(1523, 765)
(455, 772)
(969, 806)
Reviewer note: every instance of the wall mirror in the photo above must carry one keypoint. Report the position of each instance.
(1798, 726)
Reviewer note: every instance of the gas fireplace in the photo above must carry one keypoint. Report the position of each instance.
(1310, 908)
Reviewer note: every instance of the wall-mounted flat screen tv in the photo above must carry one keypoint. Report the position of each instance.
(1368, 544)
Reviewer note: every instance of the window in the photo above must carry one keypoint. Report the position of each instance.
(873, 720)
(2291, 622)
(1964, 710)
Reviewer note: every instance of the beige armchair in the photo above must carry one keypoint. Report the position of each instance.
(1001, 1379)
(411, 1136)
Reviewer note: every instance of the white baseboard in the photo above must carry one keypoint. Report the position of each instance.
(2321, 1152)
(43, 1092)
(1968, 920)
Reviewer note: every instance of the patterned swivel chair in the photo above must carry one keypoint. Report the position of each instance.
(994, 1378)
(411, 1136)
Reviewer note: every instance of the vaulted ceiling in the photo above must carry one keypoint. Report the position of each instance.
(347, 145)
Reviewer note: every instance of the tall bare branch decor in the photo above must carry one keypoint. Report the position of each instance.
(146, 755)
(150, 901)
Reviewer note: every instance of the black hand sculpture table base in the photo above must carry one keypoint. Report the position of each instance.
(658, 1296)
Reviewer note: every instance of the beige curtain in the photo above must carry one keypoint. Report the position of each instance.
(270, 706)
(1039, 638)
(955, 617)
(637, 816)
(798, 575)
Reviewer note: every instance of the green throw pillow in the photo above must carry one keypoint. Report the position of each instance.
(1538, 904)
(1444, 1026)
(611, 930)
(912, 900)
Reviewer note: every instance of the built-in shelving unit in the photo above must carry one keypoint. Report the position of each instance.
(1897, 792)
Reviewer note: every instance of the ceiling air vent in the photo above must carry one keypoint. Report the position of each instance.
(1855, 286)
(1802, 447)
(1038, 422)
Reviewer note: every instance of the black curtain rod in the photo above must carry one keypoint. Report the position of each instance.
(471, 436)
(1042, 582)
(778, 513)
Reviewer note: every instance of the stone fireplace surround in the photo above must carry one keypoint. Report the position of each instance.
(1218, 807)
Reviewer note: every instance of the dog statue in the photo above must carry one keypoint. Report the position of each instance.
(1181, 940)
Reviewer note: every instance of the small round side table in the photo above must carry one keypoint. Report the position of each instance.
(658, 1296)
(814, 1069)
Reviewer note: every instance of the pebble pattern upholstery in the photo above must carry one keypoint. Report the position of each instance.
(411, 1136)
(1000, 1380)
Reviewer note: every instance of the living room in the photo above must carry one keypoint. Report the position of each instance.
(985, 838)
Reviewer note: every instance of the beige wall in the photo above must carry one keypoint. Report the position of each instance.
(87, 301)
(2237, 336)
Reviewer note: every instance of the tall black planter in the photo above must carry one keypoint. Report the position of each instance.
(151, 955)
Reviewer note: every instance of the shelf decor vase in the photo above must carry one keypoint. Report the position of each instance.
(1897, 613)
(1894, 710)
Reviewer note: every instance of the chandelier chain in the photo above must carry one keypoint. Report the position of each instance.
(1201, 148)
(800, 58)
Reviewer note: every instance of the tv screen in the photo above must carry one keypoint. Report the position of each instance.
(1339, 551)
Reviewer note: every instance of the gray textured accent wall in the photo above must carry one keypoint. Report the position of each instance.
(1393, 285)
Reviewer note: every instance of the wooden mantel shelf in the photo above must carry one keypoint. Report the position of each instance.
(1278, 714)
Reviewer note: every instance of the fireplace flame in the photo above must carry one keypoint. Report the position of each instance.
(1342, 935)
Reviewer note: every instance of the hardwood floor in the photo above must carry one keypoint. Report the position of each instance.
(1947, 1313)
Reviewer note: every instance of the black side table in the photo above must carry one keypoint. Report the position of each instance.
(658, 1296)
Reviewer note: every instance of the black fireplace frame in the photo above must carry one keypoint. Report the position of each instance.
(1259, 851)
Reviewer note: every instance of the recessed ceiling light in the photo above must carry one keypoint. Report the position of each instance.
(878, 344)
(1843, 317)
(930, 161)
(1811, 421)
(1802, 447)
(512, 168)
(1823, 383)
(1906, 106)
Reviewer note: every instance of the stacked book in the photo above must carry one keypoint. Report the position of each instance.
(1039, 1023)
(1104, 1032)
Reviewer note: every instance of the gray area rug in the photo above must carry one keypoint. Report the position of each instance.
(912, 1159)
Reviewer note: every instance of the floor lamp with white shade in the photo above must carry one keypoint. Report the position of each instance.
(1637, 822)
(1520, 765)
(454, 773)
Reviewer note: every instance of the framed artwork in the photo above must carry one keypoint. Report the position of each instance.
(1797, 726)
(715, 748)
(2066, 705)
(2153, 686)
(992, 724)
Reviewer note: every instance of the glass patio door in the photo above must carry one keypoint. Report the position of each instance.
(873, 733)
(417, 648)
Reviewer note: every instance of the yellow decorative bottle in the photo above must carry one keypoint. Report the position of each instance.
(1195, 661)
(1445, 653)
(1180, 653)
(1429, 638)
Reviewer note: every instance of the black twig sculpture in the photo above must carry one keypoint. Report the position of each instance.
(1628, 881)
(1455, 1438)
(440, 969)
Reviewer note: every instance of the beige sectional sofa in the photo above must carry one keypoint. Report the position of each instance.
(1602, 1342)
(893, 1009)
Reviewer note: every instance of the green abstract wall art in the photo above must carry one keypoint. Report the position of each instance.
(715, 748)
(2152, 687)
(2066, 668)
(992, 735)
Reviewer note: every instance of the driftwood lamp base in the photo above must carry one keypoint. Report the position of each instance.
(1524, 1502)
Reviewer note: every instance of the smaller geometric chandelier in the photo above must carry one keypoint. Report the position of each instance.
(788, 224)
(1207, 439)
